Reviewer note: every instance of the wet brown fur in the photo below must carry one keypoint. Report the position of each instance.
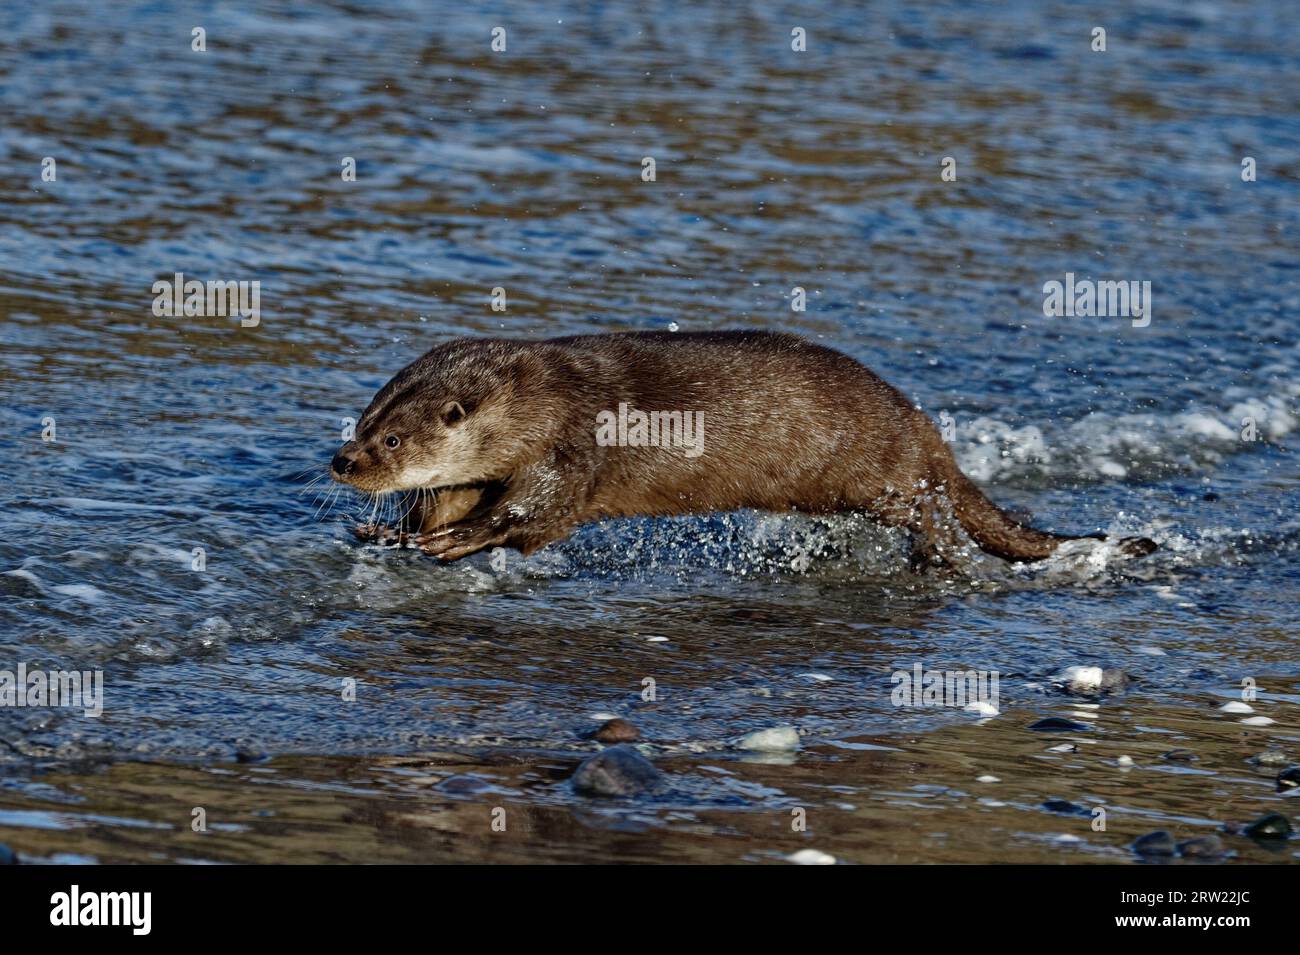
(788, 425)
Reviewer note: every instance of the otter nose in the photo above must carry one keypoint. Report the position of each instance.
(342, 464)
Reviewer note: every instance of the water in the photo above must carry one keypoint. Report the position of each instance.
(475, 687)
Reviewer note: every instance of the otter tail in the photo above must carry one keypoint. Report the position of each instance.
(997, 533)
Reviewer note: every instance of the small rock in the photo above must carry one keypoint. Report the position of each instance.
(1091, 681)
(1271, 826)
(1271, 757)
(1066, 807)
(1079, 679)
(1288, 778)
(617, 731)
(1236, 706)
(811, 857)
(987, 779)
(778, 739)
(1180, 756)
(1125, 760)
(1055, 724)
(7, 855)
(243, 755)
(1159, 843)
(1204, 847)
(463, 785)
(1113, 680)
(617, 771)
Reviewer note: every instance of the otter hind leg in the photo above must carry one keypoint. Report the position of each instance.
(998, 533)
(935, 541)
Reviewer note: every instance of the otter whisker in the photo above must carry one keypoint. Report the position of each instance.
(331, 496)
(321, 475)
(414, 499)
(374, 507)
(299, 475)
(313, 486)
(321, 496)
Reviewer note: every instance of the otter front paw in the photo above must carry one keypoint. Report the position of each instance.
(380, 534)
(453, 543)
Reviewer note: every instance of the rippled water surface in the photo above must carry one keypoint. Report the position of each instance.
(476, 687)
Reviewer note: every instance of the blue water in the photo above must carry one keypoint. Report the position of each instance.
(522, 170)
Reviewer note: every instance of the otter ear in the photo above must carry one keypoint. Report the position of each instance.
(453, 413)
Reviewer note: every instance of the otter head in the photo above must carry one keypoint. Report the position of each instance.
(434, 426)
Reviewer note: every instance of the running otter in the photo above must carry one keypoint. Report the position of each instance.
(499, 443)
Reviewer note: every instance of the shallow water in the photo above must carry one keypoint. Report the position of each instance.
(475, 686)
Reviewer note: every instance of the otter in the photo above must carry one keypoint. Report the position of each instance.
(498, 443)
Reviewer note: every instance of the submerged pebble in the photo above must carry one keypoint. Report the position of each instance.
(1066, 807)
(1158, 843)
(617, 731)
(1271, 757)
(1203, 847)
(1055, 724)
(1288, 779)
(778, 739)
(463, 785)
(617, 771)
(1272, 826)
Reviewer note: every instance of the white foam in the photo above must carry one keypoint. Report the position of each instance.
(1102, 446)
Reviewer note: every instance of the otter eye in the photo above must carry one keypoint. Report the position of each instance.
(392, 441)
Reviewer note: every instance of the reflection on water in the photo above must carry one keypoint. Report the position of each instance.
(475, 687)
